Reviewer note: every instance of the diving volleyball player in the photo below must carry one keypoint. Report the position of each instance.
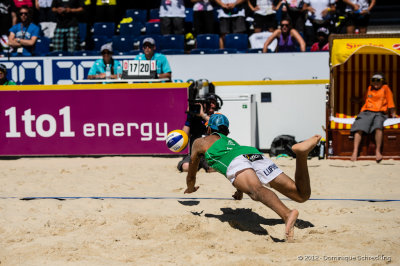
(249, 171)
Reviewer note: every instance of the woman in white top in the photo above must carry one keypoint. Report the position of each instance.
(203, 17)
(264, 15)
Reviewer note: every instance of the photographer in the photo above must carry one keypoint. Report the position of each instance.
(195, 125)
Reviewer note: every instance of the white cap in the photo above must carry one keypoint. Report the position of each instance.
(323, 30)
(149, 40)
(107, 46)
(377, 76)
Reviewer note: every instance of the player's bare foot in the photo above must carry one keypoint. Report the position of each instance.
(353, 157)
(306, 146)
(289, 225)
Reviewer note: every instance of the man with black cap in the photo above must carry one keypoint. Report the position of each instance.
(107, 67)
(251, 172)
(149, 47)
(378, 103)
(3, 76)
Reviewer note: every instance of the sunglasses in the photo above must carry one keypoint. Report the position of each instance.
(148, 46)
(284, 25)
(376, 80)
(23, 13)
(105, 52)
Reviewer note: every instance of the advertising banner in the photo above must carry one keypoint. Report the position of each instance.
(112, 121)
(342, 49)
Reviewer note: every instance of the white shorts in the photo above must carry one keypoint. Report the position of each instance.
(265, 169)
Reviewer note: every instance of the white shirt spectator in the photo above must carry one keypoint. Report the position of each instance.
(45, 3)
(319, 6)
(257, 40)
(265, 7)
(172, 9)
(222, 14)
(362, 3)
(203, 5)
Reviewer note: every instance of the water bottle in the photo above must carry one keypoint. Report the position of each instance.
(108, 71)
(119, 72)
(330, 148)
(322, 149)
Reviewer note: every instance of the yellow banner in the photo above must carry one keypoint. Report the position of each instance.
(342, 49)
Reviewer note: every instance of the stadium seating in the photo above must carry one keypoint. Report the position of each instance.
(59, 53)
(133, 52)
(130, 29)
(122, 43)
(189, 15)
(138, 15)
(237, 41)
(104, 28)
(207, 41)
(225, 51)
(173, 42)
(82, 34)
(172, 51)
(42, 46)
(154, 14)
(202, 51)
(255, 51)
(85, 53)
(98, 41)
(153, 28)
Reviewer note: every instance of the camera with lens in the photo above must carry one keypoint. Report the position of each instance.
(202, 92)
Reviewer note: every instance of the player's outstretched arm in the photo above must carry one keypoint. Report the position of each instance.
(193, 166)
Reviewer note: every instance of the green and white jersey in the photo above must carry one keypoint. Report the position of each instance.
(223, 151)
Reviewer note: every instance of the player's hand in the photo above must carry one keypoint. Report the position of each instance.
(191, 190)
(238, 195)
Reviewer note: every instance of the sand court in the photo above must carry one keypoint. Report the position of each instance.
(132, 211)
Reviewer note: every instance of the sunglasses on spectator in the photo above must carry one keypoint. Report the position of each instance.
(146, 45)
(106, 52)
(285, 25)
(376, 80)
(23, 13)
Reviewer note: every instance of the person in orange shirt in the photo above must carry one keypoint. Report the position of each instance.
(378, 103)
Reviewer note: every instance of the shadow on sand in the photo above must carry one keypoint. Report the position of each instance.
(247, 220)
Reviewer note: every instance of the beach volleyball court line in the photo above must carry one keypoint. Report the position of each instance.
(192, 198)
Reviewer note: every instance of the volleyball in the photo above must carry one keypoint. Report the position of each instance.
(177, 140)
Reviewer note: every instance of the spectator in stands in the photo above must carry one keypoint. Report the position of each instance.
(99, 68)
(296, 14)
(323, 42)
(45, 12)
(287, 38)
(172, 17)
(231, 17)
(378, 101)
(21, 3)
(23, 36)
(8, 18)
(358, 13)
(264, 15)
(149, 47)
(67, 13)
(319, 15)
(3, 76)
(203, 17)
